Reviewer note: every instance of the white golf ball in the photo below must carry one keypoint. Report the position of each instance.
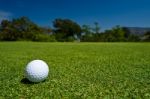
(36, 71)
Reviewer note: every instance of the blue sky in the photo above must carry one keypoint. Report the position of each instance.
(107, 12)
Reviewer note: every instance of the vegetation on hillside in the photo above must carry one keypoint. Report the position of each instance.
(64, 30)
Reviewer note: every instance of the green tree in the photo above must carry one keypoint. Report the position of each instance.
(134, 38)
(7, 31)
(86, 29)
(22, 29)
(127, 32)
(118, 33)
(96, 29)
(65, 29)
(147, 36)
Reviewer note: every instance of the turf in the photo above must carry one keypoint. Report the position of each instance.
(77, 70)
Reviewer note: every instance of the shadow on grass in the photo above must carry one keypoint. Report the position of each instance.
(27, 82)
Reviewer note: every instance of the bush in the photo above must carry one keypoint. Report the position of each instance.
(70, 39)
(44, 38)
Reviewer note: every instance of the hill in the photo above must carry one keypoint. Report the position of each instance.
(138, 30)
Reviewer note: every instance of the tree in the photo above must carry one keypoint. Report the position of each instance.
(90, 34)
(134, 38)
(118, 33)
(65, 28)
(22, 29)
(7, 31)
(86, 33)
(26, 29)
(97, 28)
(86, 29)
(147, 36)
(127, 32)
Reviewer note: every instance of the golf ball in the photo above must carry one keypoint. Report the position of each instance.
(36, 71)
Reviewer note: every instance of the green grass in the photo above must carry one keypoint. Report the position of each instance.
(77, 70)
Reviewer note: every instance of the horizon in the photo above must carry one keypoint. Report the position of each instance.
(107, 13)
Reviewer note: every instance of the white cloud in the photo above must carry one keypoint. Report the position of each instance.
(5, 15)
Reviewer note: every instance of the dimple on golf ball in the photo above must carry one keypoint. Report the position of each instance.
(36, 71)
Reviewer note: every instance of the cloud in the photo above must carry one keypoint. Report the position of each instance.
(5, 15)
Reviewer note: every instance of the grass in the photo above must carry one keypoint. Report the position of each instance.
(77, 70)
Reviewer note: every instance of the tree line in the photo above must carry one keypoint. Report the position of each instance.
(64, 30)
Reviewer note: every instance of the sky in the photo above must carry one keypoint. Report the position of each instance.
(108, 13)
